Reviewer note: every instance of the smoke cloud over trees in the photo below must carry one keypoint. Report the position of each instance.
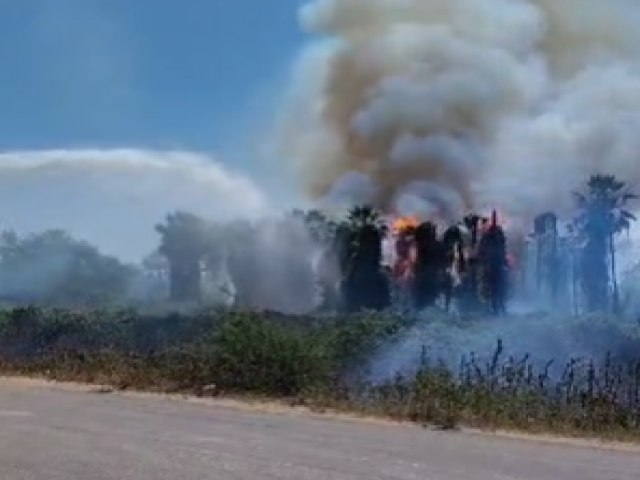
(447, 106)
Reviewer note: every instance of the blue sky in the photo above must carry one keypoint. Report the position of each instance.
(96, 94)
(189, 74)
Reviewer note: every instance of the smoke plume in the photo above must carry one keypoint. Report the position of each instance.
(444, 106)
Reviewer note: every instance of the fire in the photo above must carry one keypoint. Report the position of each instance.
(402, 224)
(405, 249)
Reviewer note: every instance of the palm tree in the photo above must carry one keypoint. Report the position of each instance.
(185, 240)
(430, 266)
(472, 222)
(467, 292)
(603, 214)
(493, 267)
(364, 285)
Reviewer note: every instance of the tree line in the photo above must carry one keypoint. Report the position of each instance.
(306, 260)
(466, 264)
(349, 274)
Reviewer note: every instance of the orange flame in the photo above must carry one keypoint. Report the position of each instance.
(403, 224)
(405, 248)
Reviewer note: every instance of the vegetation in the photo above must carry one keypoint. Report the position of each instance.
(314, 263)
(364, 284)
(603, 214)
(185, 240)
(52, 268)
(508, 392)
(493, 268)
(239, 352)
(313, 359)
(430, 266)
(318, 358)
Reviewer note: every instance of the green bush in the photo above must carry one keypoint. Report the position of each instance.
(251, 354)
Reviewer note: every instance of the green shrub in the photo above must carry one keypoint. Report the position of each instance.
(254, 355)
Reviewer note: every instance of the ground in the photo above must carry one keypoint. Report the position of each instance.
(64, 432)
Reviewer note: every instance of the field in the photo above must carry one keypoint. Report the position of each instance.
(335, 363)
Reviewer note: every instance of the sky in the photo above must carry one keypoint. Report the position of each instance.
(96, 76)
(156, 73)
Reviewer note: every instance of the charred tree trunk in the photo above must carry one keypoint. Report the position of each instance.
(429, 267)
(364, 285)
(493, 263)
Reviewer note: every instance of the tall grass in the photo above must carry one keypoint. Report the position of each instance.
(588, 397)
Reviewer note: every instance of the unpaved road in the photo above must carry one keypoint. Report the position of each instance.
(55, 433)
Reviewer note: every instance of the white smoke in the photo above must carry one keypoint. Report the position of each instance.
(113, 198)
(544, 337)
(498, 103)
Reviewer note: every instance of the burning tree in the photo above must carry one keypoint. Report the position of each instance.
(426, 264)
(364, 284)
(602, 215)
(480, 261)
(430, 266)
(493, 267)
(467, 293)
(403, 269)
(455, 261)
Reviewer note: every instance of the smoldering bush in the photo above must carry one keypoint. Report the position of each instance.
(544, 337)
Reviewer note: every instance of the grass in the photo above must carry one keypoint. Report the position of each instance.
(509, 393)
(312, 360)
